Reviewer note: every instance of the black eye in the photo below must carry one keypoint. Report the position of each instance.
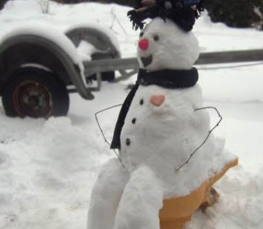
(156, 37)
(141, 34)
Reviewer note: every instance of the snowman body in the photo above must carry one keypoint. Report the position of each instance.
(163, 137)
(162, 129)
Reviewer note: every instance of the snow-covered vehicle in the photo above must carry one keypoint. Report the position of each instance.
(40, 65)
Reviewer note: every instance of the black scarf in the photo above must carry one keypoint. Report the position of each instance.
(170, 79)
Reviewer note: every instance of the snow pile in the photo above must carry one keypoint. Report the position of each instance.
(43, 166)
(240, 205)
(47, 168)
(218, 37)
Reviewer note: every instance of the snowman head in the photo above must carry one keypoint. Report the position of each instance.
(164, 45)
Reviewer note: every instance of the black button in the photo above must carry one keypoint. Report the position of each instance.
(134, 120)
(141, 102)
(156, 37)
(128, 141)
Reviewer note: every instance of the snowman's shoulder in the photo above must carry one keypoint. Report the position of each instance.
(191, 96)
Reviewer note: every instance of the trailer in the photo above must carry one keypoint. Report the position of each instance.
(40, 66)
(39, 69)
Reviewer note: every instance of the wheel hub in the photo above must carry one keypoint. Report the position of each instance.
(32, 99)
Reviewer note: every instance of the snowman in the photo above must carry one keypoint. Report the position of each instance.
(169, 158)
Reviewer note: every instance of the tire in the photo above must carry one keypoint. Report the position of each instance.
(35, 93)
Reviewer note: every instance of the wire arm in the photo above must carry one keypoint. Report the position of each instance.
(208, 135)
(102, 132)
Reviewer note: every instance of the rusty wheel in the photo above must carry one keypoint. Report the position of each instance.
(35, 93)
(33, 99)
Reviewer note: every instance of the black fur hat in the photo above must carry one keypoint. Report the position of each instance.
(182, 12)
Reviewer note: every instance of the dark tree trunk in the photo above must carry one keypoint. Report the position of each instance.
(2, 3)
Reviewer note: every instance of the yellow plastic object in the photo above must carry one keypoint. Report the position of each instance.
(177, 211)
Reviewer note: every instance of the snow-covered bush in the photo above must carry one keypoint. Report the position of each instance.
(2, 3)
(236, 13)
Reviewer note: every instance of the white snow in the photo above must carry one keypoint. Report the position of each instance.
(85, 50)
(100, 27)
(48, 167)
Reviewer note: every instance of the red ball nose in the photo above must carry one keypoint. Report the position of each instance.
(144, 44)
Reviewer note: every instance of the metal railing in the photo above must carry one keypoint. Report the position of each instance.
(123, 65)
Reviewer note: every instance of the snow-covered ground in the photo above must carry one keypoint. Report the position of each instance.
(48, 167)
